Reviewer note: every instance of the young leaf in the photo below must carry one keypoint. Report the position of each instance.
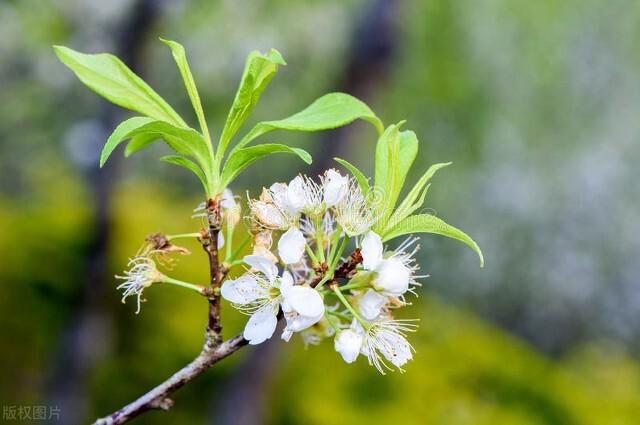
(359, 175)
(242, 158)
(183, 162)
(119, 135)
(427, 223)
(139, 142)
(185, 141)
(177, 50)
(332, 110)
(387, 172)
(110, 78)
(258, 71)
(415, 197)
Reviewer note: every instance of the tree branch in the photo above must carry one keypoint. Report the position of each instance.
(210, 245)
(158, 398)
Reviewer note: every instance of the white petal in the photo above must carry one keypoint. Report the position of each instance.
(371, 303)
(296, 194)
(220, 240)
(371, 249)
(306, 301)
(392, 277)
(227, 200)
(348, 343)
(286, 282)
(291, 246)
(261, 325)
(243, 290)
(335, 187)
(296, 322)
(263, 265)
(395, 348)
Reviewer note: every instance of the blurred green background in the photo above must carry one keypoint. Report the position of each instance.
(537, 104)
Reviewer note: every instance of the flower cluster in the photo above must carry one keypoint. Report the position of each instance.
(320, 291)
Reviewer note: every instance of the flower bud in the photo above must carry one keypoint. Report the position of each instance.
(348, 343)
(335, 187)
(392, 277)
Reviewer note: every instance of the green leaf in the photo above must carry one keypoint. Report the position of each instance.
(112, 79)
(359, 175)
(183, 162)
(258, 71)
(179, 55)
(138, 143)
(185, 141)
(387, 173)
(332, 110)
(416, 196)
(120, 134)
(408, 153)
(240, 159)
(427, 223)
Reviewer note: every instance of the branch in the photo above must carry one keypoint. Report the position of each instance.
(158, 398)
(210, 245)
(214, 349)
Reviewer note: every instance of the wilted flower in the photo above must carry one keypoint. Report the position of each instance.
(141, 275)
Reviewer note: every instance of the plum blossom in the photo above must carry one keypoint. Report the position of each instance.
(394, 274)
(335, 187)
(348, 343)
(385, 339)
(261, 292)
(353, 211)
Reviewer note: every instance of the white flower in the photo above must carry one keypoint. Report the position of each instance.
(353, 211)
(348, 343)
(302, 307)
(371, 249)
(335, 187)
(291, 246)
(393, 275)
(262, 293)
(142, 274)
(385, 339)
(257, 293)
(371, 303)
(306, 195)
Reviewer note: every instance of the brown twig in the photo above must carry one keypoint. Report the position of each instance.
(214, 349)
(158, 398)
(210, 245)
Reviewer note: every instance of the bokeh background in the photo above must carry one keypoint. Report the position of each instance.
(536, 102)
